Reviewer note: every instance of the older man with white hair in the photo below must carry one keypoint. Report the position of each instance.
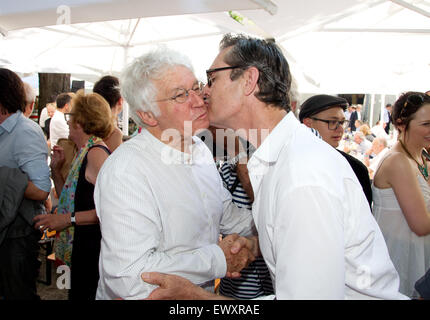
(316, 232)
(159, 197)
(30, 97)
(379, 149)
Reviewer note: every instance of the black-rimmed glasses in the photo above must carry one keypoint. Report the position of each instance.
(210, 71)
(182, 94)
(334, 124)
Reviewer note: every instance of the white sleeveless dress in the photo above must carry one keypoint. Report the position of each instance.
(410, 254)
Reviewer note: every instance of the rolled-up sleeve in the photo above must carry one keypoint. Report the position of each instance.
(31, 154)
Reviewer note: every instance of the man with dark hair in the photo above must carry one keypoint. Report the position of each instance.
(325, 113)
(23, 155)
(58, 127)
(316, 232)
(387, 118)
(352, 119)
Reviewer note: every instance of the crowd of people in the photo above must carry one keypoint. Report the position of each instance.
(318, 206)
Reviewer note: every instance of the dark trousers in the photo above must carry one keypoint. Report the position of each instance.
(19, 267)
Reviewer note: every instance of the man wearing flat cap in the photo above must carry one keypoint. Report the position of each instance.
(325, 114)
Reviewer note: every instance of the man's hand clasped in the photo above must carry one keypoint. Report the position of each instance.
(239, 252)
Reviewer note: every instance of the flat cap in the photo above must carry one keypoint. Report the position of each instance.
(319, 103)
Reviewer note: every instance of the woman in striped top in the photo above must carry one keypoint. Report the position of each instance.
(255, 279)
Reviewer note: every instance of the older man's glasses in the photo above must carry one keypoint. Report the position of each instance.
(181, 94)
(210, 72)
(334, 124)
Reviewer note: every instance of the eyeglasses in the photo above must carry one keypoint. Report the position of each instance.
(68, 116)
(210, 71)
(182, 94)
(334, 124)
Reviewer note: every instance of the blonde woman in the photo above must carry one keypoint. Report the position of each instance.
(367, 133)
(401, 191)
(78, 236)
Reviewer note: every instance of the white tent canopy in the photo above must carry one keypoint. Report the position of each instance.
(333, 46)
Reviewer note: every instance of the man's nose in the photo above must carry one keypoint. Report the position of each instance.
(197, 99)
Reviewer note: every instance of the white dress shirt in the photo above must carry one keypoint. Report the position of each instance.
(162, 210)
(58, 127)
(317, 234)
(364, 146)
(43, 116)
(379, 131)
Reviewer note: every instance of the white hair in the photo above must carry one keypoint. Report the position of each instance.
(136, 80)
(360, 135)
(30, 94)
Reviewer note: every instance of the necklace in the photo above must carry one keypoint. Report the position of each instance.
(422, 168)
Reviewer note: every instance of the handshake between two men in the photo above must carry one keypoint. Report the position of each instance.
(239, 253)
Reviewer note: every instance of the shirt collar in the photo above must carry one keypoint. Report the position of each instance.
(11, 122)
(271, 147)
(169, 155)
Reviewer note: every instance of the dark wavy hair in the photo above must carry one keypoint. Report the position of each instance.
(274, 80)
(12, 93)
(406, 106)
(108, 88)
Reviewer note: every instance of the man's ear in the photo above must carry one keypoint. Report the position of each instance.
(148, 118)
(307, 122)
(251, 76)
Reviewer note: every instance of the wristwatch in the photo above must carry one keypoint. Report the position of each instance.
(73, 218)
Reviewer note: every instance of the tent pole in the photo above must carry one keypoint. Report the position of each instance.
(412, 7)
(125, 116)
(372, 107)
(382, 106)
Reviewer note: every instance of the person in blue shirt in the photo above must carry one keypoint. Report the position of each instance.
(22, 146)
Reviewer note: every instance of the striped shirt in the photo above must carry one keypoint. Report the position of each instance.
(255, 280)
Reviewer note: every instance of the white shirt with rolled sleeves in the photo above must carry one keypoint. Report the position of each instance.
(162, 210)
(317, 234)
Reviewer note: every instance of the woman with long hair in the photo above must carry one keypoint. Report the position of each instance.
(401, 191)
